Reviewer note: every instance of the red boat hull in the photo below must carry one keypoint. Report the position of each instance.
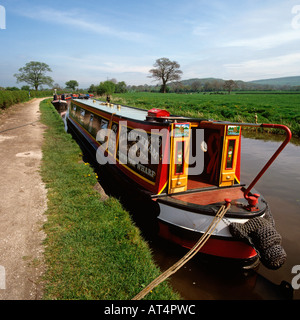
(217, 247)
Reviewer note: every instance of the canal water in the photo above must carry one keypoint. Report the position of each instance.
(203, 278)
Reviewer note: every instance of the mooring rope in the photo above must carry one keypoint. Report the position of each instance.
(175, 267)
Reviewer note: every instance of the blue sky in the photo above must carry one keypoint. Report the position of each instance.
(94, 40)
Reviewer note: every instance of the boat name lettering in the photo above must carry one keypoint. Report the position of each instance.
(141, 146)
(146, 170)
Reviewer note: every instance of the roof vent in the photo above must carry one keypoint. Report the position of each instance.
(158, 113)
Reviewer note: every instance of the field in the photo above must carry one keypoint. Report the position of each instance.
(276, 107)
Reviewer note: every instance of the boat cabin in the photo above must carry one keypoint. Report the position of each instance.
(160, 152)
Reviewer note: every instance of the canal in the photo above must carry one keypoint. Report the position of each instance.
(203, 278)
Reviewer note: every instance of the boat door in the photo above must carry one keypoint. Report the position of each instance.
(230, 165)
(179, 157)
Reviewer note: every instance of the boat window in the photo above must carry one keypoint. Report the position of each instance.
(114, 127)
(102, 134)
(82, 114)
(112, 140)
(104, 124)
(179, 161)
(230, 152)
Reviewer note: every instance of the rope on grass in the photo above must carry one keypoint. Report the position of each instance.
(218, 217)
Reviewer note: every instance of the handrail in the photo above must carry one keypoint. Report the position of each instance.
(253, 199)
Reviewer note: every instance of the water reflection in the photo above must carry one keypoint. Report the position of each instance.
(252, 134)
(206, 279)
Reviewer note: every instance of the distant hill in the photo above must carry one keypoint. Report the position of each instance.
(216, 84)
(188, 82)
(285, 81)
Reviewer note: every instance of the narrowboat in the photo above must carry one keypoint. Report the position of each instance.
(178, 171)
(61, 102)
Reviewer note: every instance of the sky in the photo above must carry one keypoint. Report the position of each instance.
(95, 40)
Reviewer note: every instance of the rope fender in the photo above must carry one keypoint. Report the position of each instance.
(261, 234)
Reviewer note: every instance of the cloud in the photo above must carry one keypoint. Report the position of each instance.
(94, 68)
(265, 42)
(283, 65)
(120, 67)
(76, 19)
(105, 63)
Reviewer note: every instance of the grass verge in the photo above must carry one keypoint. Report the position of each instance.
(92, 250)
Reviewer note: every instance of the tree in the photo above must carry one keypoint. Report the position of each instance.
(196, 86)
(121, 87)
(12, 89)
(107, 87)
(34, 73)
(92, 89)
(72, 84)
(57, 87)
(26, 88)
(229, 85)
(165, 71)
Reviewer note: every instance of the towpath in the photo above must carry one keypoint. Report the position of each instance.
(23, 201)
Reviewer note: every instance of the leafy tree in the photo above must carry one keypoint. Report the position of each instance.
(165, 71)
(92, 89)
(229, 85)
(26, 88)
(34, 73)
(107, 87)
(121, 87)
(196, 86)
(72, 84)
(57, 86)
(12, 89)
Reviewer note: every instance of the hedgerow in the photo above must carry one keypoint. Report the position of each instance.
(9, 98)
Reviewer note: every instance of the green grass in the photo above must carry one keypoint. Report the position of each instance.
(280, 108)
(93, 250)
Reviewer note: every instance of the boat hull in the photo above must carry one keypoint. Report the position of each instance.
(186, 228)
(60, 105)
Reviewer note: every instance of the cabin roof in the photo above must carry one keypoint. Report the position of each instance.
(124, 111)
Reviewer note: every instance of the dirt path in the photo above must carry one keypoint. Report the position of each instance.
(22, 202)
